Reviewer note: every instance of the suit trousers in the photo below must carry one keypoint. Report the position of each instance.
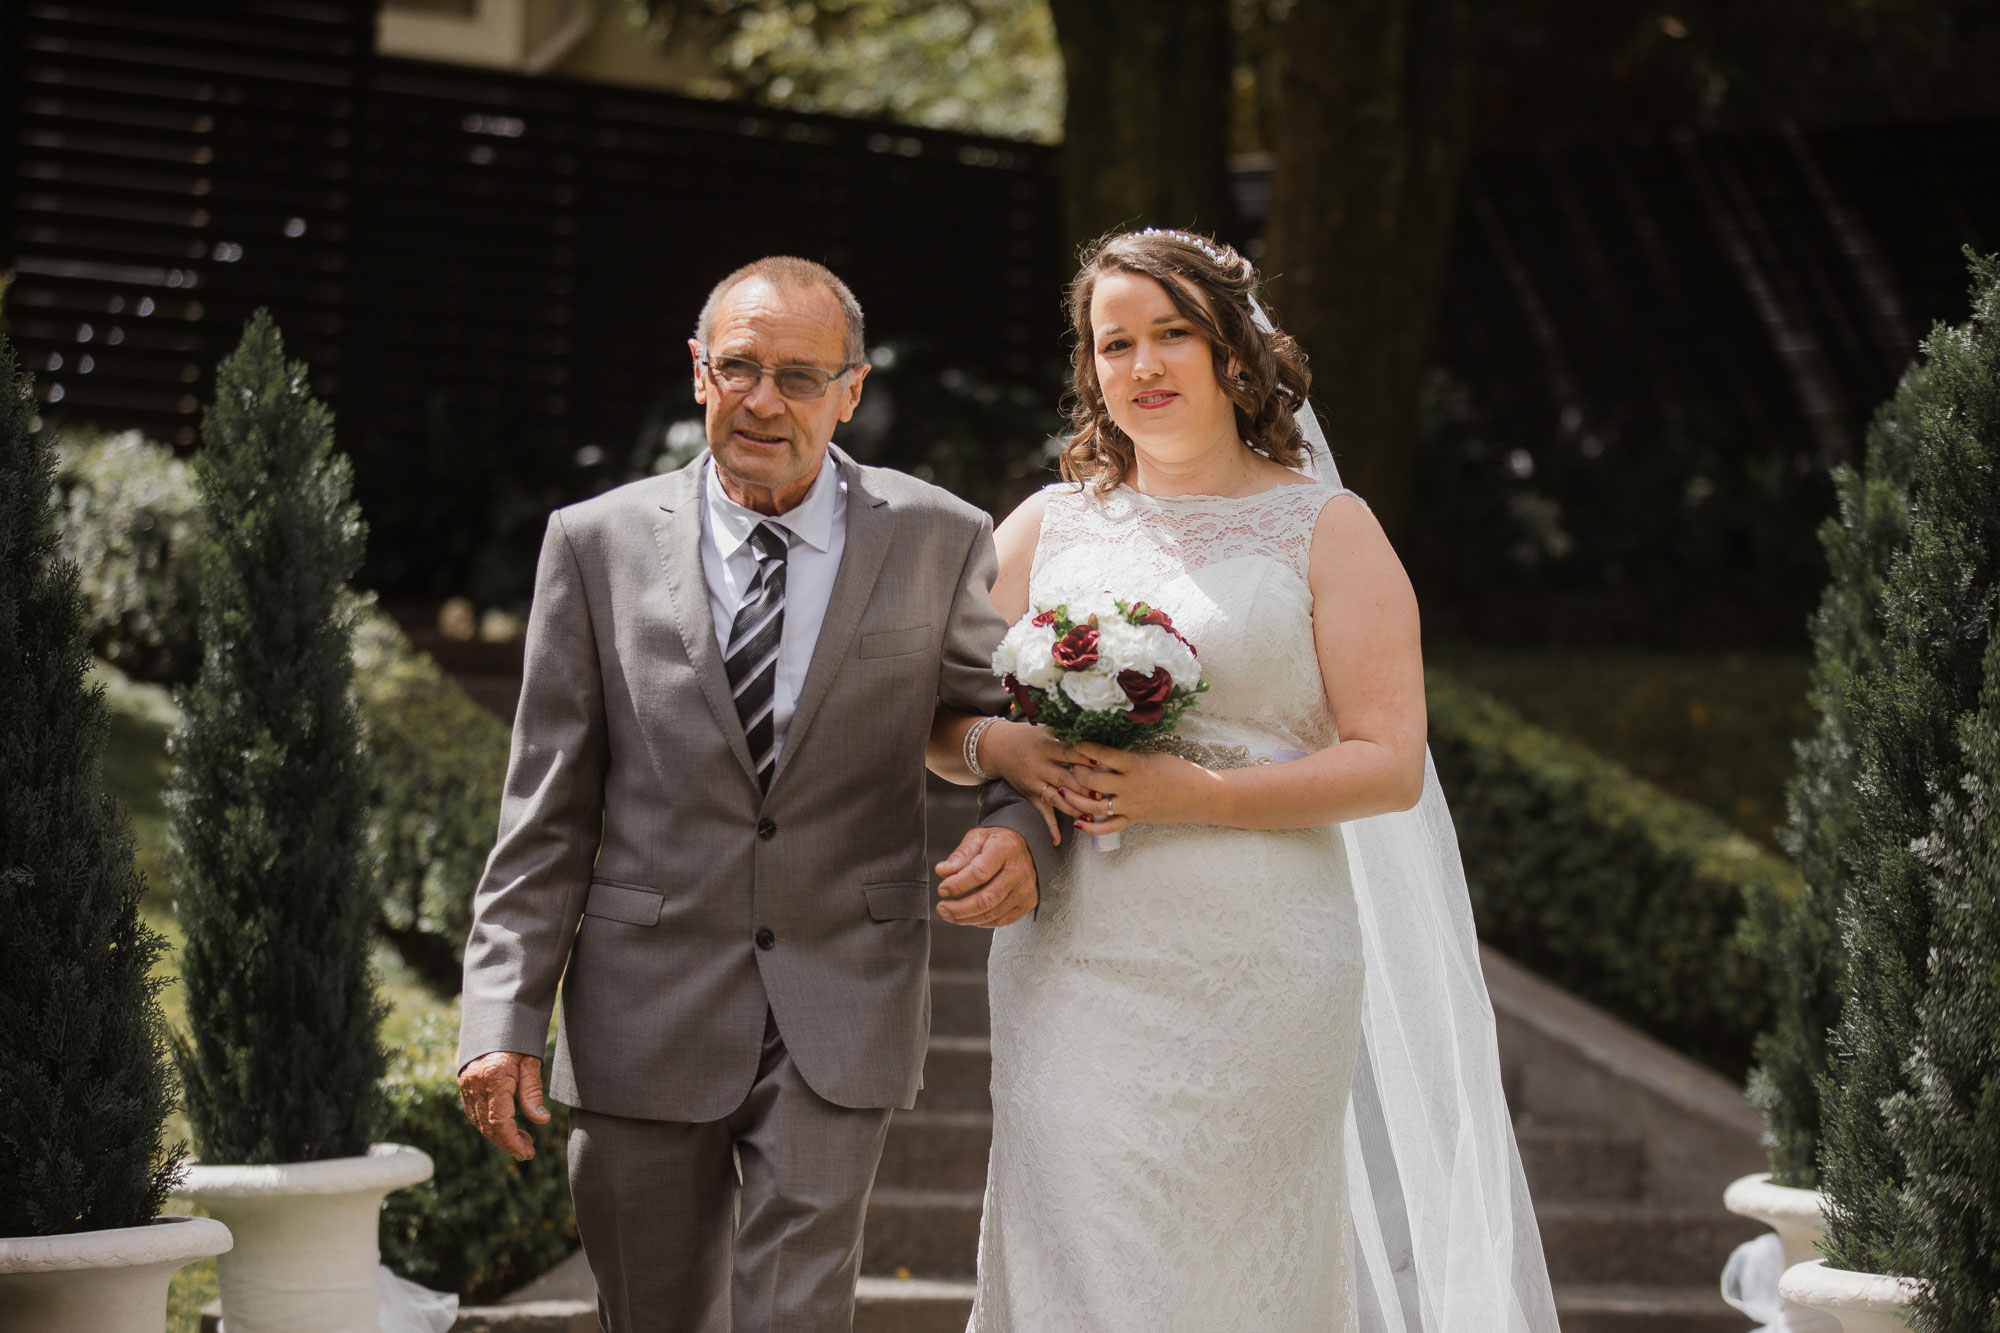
(748, 1224)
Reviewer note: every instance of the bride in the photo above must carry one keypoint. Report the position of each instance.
(1244, 1074)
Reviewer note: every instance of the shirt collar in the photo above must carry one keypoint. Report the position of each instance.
(810, 521)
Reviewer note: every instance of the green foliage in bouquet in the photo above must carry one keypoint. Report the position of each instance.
(437, 763)
(268, 789)
(84, 1088)
(1938, 599)
(483, 1224)
(1799, 938)
(1119, 729)
(1947, 1123)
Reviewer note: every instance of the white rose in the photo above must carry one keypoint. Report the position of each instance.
(1123, 647)
(1096, 691)
(1174, 655)
(1100, 604)
(1024, 655)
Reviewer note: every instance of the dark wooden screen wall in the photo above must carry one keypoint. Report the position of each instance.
(173, 168)
(529, 251)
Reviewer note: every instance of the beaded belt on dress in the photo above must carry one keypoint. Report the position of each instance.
(1216, 755)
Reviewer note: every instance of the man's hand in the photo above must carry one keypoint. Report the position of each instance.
(989, 880)
(487, 1088)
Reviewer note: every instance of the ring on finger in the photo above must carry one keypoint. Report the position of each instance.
(1109, 813)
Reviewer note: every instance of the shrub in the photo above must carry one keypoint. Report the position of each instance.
(129, 524)
(437, 759)
(84, 1093)
(1938, 602)
(1947, 1123)
(437, 763)
(1802, 938)
(1603, 883)
(268, 785)
(484, 1223)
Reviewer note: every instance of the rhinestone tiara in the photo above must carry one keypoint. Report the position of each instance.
(1201, 243)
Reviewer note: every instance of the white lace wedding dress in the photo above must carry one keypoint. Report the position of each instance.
(1174, 1035)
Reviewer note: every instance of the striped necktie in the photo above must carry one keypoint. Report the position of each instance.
(752, 659)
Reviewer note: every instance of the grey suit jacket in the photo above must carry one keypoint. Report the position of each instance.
(639, 866)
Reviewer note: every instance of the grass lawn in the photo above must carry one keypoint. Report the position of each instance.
(135, 770)
(1713, 728)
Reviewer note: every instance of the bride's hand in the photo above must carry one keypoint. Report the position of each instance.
(1036, 764)
(1127, 787)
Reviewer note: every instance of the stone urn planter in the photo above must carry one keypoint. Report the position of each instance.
(1862, 1302)
(306, 1256)
(100, 1281)
(1797, 1216)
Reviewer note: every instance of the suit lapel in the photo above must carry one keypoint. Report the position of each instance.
(871, 523)
(677, 534)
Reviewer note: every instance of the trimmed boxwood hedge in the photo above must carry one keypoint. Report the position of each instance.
(1646, 905)
(483, 1224)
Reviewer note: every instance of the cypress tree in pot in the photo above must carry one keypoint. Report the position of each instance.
(267, 802)
(84, 1087)
(1799, 940)
(1938, 604)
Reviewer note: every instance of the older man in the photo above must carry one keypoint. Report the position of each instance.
(712, 833)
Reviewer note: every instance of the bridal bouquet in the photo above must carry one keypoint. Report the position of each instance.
(1100, 669)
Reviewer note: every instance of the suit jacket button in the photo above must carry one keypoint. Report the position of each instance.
(765, 939)
(765, 828)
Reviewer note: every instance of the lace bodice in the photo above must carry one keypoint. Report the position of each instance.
(1231, 571)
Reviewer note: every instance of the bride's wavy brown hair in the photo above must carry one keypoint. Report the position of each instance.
(1210, 284)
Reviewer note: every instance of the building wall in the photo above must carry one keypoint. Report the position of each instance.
(577, 39)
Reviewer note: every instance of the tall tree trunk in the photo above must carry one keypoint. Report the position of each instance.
(1376, 98)
(1146, 125)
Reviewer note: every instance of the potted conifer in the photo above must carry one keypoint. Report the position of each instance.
(84, 1090)
(1800, 940)
(1948, 1123)
(1911, 712)
(267, 808)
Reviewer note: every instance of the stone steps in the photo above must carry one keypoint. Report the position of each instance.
(958, 1075)
(958, 1002)
(911, 1305)
(1630, 1308)
(943, 1150)
(1638, 1242)
(1581, 1161)
(931, 1233)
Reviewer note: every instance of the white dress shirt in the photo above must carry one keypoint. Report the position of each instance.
(816, 533)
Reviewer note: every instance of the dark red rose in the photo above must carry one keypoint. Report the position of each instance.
(1025, 702)
(1147, 693)
(1153, 617)
(1076, 650)
(1045, 618)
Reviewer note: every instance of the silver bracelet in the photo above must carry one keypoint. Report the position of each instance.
(970, 750)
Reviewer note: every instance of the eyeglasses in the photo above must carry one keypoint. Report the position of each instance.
(799, 383)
